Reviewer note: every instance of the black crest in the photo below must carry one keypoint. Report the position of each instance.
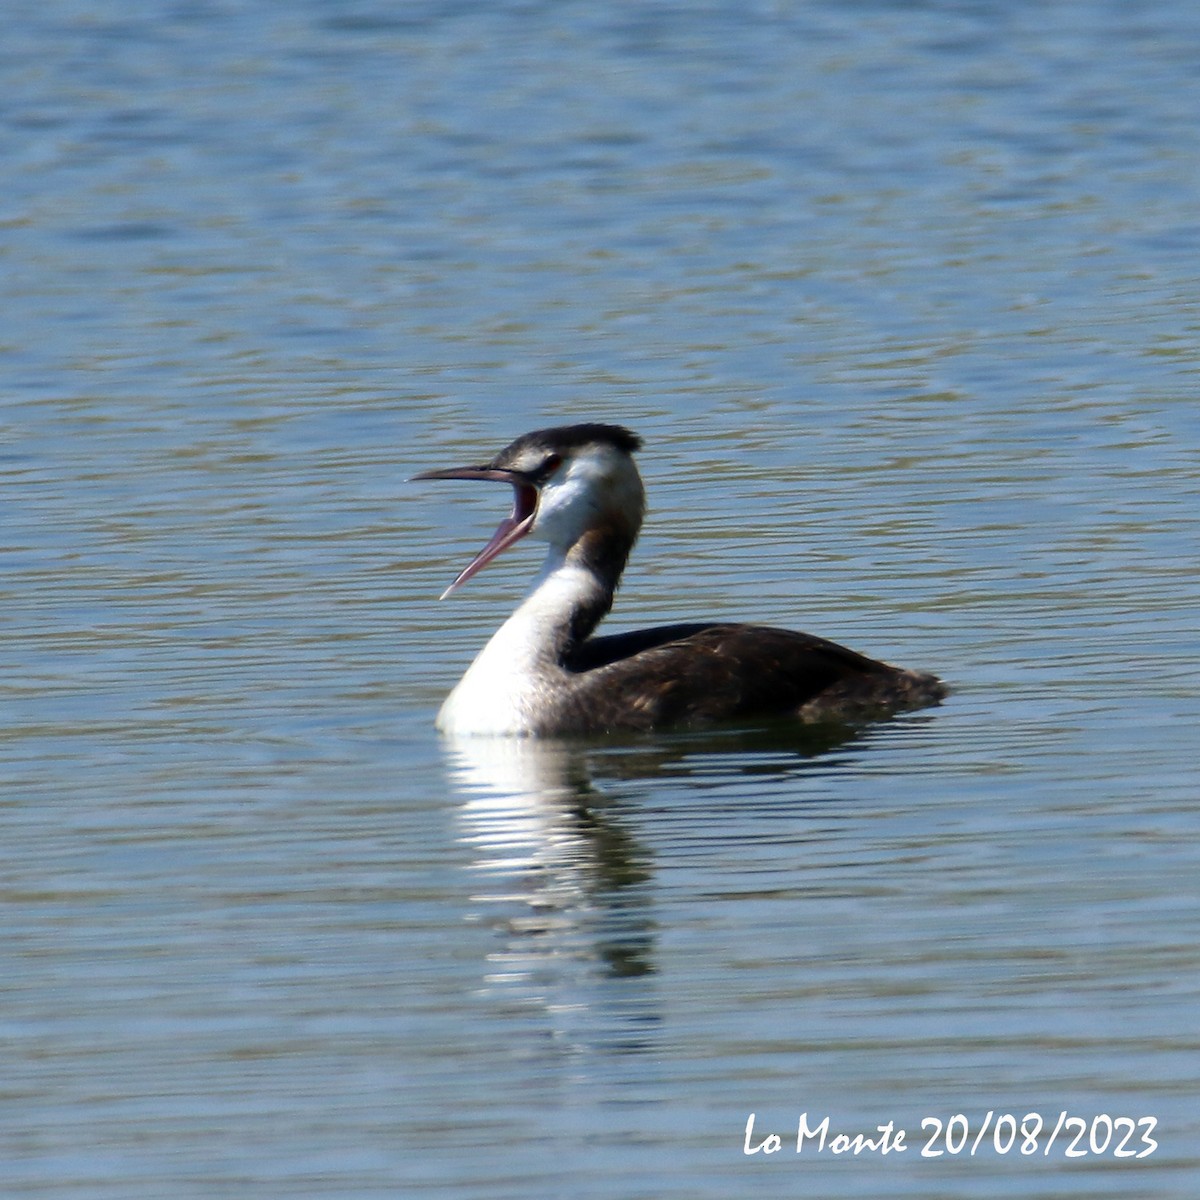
(564, 438)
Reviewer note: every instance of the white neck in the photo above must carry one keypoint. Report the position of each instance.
(514, 677)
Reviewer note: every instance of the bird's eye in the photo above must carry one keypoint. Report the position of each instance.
(550, 465)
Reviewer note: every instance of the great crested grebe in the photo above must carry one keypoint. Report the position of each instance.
(542, 673)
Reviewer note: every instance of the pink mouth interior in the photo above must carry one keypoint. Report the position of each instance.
(514, 527)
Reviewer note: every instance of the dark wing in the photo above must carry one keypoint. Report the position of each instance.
(600, 651)
(696, 675)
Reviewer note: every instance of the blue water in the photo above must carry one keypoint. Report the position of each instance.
(902, 298)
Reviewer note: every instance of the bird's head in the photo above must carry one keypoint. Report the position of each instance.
(571, 485)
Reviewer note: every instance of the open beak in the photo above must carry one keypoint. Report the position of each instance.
(511, 530)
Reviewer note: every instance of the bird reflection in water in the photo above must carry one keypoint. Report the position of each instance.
(552, 857)
(561, 877)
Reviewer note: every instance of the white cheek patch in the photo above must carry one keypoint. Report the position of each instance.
(594, 482)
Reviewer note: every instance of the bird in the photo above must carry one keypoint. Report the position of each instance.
(545, 673)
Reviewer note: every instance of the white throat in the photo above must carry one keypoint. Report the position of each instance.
(513, 678)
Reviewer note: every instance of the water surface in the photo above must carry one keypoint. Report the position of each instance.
(902, 299)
